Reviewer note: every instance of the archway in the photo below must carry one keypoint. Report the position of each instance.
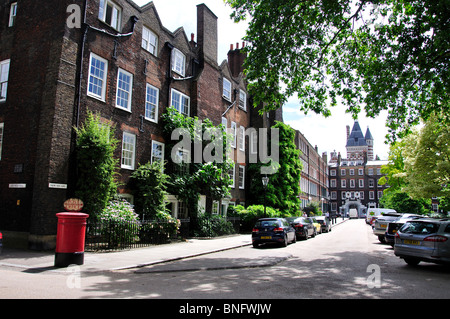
(353, 204)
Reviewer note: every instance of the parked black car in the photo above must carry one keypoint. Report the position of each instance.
(303, 227)
(273, 230)
(395, 225)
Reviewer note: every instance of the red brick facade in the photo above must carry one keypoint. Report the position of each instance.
(49, 93)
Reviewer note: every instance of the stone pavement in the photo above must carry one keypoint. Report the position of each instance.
(124, 259)
(192, 254)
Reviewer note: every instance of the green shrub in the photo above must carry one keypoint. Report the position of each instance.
(120, 223)
(96, 164)
(149, 184)
(252, 213)
(212, 226)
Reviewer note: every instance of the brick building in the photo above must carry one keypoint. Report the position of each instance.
(121, 62)
(353, 181)
(314, 178)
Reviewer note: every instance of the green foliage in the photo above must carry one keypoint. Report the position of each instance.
(120, 212)
(212, 226)
(381, 55)
(149, 184)
(313, 209)
(252, 213)
(403, 203)
(211, 179)
(284, 186)
(96, 164)
(162, 226)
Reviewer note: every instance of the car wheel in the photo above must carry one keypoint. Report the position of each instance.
(306, 236)
(381, 239)
(314, 234)
(285, 241)
(255, 245)
(295, 239)
(412, 261)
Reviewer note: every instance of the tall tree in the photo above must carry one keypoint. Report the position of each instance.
(428, 161)
(381, 55)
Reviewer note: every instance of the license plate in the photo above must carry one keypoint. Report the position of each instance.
(411, 242)
(266, 237)
(383, 225)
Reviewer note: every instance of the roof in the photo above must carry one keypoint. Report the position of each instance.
(356, 137)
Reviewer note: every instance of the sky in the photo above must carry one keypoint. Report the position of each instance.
(329, 134)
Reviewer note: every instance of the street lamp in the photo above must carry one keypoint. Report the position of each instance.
(265, 182)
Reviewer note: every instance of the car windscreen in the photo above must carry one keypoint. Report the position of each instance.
(267, 223)
(419, 227)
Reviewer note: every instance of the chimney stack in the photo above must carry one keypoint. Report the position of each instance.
(207, 33)
(236, 59)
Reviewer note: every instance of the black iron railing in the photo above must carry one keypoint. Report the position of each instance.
(111, 234)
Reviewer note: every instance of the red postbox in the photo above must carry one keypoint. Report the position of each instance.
(70, 238)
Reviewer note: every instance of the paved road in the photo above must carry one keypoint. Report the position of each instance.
(348, 262)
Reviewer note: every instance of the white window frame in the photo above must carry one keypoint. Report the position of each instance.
(361, 183)
(93, 76)
(226, 91)
(124, 90)
(12, 14)
(4, 77)
(233, 175)
(150, 104)
(153, 156)
(243, 100)
(333, 183)
(343, 183)
(180, 98)
(224, 123)
(128, 148)
(371, 195)
(343, 171)
(352, 183)
(178, 61)
(233, 134)
(116, 14)
(360, 171)
(149, 41)
(241, 180)
(242, 138)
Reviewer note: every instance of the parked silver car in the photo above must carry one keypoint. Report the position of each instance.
(424, 239)
(381, 223)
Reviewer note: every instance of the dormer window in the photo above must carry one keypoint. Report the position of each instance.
(226, 92)
(178, 62)
(149, 41)
(110, 13)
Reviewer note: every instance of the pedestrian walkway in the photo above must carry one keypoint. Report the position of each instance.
(35, 261)
(125, 259)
